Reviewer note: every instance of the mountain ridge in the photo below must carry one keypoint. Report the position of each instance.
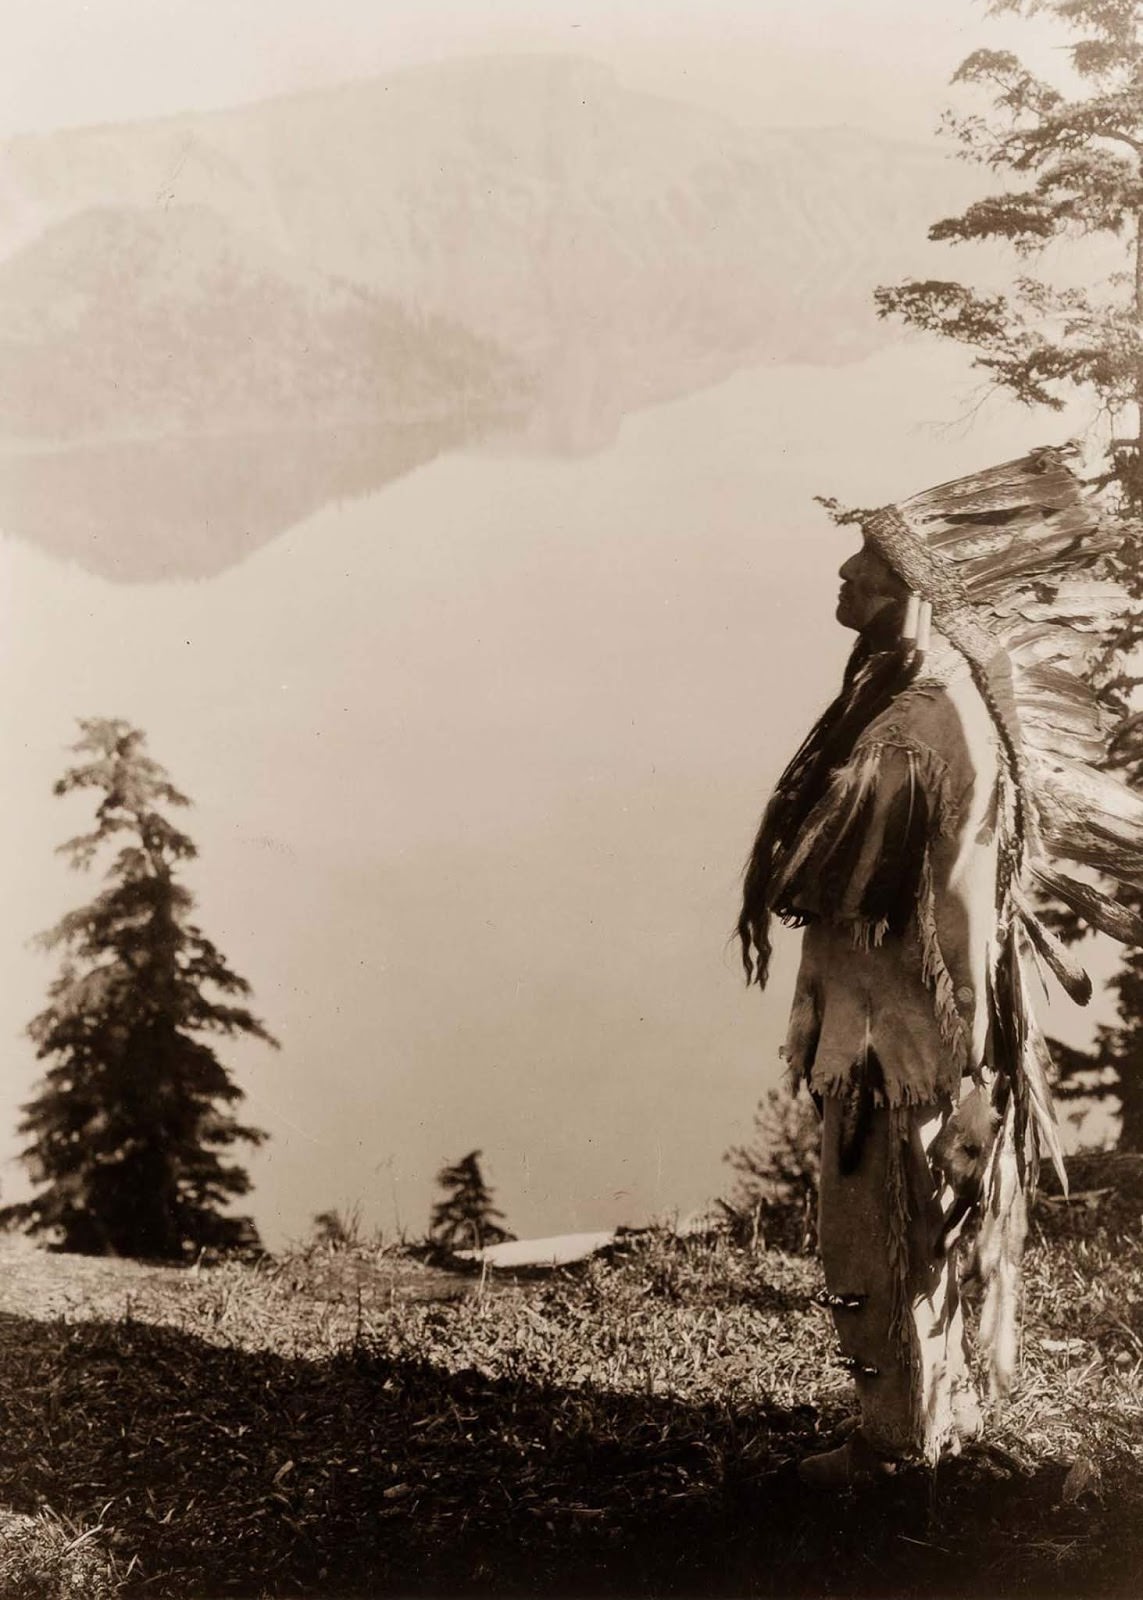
(534, 247)
(177, 320)
(528, 198)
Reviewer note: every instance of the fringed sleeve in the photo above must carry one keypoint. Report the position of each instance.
(861, 857)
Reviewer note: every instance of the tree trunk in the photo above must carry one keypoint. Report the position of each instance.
(1136, 486)
(1130, 1092)
(1130, 1085)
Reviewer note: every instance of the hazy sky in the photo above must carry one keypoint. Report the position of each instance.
(883, 64)
(472, 809)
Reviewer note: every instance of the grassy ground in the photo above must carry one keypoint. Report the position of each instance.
(358, 1424)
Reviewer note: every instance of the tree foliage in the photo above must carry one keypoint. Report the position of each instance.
(1076, 162)
(127, 1133)
(465, 1218)
(779, 1169)
(1072, 166)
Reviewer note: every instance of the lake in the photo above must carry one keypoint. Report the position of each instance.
(476, 756)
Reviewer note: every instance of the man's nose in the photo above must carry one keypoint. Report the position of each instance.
(848, 569)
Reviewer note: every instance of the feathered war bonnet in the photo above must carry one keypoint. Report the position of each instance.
(1013, 562)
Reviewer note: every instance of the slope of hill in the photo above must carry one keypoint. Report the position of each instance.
(123, 322)
(625, 248)
(147, 510)
(317, 1425)
(211, 325)
(174, 391)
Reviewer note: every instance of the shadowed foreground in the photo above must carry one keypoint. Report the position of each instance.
(630, 1428)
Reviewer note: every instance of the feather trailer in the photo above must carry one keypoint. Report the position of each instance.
(1037, 1064)
(999, 1251)
(1059, 714)
(1053, 953)
(1058, 721)
(1023, 548)
(1041, 478)
(1034, 1064)
(1004, 1206)
(1067, 543)
(1048, 691)
(1040, 644)
(1097, 908)
(1044, 731)
(1096, 606)
(968, 539)
(1091, 818)
(1061, 687)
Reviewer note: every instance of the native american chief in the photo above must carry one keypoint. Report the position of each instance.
(947, 795)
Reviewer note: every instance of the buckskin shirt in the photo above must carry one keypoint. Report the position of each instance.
(889, 1026)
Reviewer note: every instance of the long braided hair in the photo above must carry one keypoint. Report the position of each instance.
(880, 666)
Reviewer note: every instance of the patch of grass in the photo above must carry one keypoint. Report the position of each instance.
(332, 1425)
(44, 1555)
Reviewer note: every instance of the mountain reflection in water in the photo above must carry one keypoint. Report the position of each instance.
(148, 510)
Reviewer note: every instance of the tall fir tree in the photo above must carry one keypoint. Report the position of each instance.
(1074, 165)
(127, 1132)
(465, 1218)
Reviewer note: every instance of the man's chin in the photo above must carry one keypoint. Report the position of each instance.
(844, 614)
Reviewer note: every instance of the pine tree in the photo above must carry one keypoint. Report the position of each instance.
(127, 1131)
(465, 1217)
(1077, 166)
(778, 1170)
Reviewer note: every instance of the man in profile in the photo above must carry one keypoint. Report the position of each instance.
(907, 837)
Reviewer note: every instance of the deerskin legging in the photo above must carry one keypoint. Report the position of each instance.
(879, 1224)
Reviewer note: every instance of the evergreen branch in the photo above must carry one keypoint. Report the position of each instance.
(1024, 219)
(1096, 58)
(1019, 91)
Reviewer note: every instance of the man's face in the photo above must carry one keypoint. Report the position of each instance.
(868, 586)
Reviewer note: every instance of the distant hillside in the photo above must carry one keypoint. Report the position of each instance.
(125, 323)
(191, 505)
(623, 247)
(211, 325)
